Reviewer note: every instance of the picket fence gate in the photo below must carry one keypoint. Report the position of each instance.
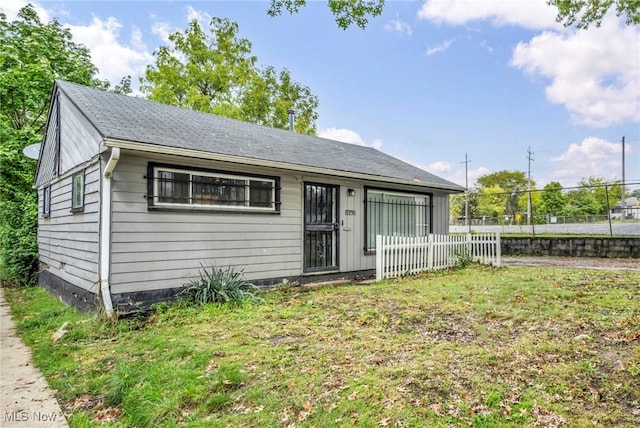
(407, 255)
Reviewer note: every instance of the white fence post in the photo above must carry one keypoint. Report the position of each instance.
(430, 255)
(379, 258)
(498, 250)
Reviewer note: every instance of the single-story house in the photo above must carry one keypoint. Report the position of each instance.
(630, 209)
(136, 196)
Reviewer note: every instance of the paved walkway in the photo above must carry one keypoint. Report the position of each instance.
(25, 398)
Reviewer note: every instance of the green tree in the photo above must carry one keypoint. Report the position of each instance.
(552, 200)
(215, 72)
(491, 201)
(346, 12)
(582, 201)
(124, 87)
(591, 197)
(457, 205)
(32, 56)
(522, 203)
(513, 185)
(582, 13)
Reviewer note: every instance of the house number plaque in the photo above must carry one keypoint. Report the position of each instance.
(349, 212)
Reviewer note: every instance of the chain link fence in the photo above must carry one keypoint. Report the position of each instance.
(584, 210)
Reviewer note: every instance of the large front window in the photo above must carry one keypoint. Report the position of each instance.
(186, 188)
(396, 214)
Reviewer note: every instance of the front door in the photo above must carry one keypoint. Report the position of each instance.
(320, 227)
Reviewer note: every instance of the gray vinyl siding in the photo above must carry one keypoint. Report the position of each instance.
(154, 250)
(47, 167)
(440, 214)
(352, 233)
(79, 141)
(69, 242)
(160, 249)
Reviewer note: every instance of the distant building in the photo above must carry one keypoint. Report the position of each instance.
(630, 210)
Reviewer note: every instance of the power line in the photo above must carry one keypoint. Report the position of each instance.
(529, 158)
(622, 190)
(517, 192)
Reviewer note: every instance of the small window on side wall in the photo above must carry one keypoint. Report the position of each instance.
(77, 192)
(46, 201)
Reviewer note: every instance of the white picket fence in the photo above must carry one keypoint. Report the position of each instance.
(407, 255)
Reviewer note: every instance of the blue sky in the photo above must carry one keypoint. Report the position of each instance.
(427, 82)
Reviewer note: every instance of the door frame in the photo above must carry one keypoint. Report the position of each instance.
(334, 191)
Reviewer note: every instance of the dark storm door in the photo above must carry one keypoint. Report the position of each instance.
(320, 227)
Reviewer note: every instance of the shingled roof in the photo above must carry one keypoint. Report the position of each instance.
(126, 118)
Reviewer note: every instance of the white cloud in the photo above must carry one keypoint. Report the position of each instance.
(535, 14)
(377, 143)
(198, 15)
(438, 167)
(136, 39)
(440, 47)
(485, 45)
(162, 29)
(113, 58)
(474, 174)
(458, 176)
(445, 170)
(398, 26)
(348, 136)
(12, 7)
(595, 74)
(593, 157)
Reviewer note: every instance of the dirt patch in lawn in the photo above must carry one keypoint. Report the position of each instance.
(574, 262)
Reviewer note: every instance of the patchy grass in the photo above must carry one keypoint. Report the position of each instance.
(480, 346)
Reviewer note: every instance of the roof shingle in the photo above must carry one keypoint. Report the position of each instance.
(137, 120)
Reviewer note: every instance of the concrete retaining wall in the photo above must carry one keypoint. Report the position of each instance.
(572, 247)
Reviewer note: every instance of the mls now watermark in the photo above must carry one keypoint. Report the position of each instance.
(23, 416)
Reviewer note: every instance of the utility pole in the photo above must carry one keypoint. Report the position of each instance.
(622, 204)
(466, 194)
(529, 158)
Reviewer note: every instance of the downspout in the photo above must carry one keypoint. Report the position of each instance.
(105, 230)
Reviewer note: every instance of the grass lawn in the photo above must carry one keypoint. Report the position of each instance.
(478, 347)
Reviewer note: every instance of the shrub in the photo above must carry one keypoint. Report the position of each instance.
(218, 285)
(18, 239)
(461, 259)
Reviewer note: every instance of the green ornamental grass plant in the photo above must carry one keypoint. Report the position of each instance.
(218, 285)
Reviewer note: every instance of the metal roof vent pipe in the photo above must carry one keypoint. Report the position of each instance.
(291, 115)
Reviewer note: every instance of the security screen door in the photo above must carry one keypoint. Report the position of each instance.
(320, 227)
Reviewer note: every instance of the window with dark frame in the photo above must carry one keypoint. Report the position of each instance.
(395, 214)
(186, 188)
(46, 201)
(77, 191)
